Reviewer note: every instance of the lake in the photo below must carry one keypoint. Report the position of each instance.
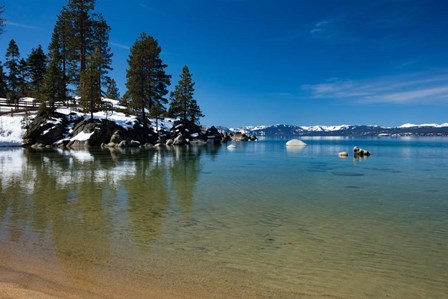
(258, 221)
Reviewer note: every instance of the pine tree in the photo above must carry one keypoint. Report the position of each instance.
(146, 79)
(97, 65)
(13, 65)
(90, 83)
(3, 86)
(112, 91)
(54, 86)
(59, 67)
(183, 105)
(79, 14)
(35, 72)
(194, 112)
(22, 86)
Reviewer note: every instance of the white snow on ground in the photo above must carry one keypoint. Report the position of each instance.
(11, 131)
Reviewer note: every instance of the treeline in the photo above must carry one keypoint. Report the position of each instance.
(77, 66)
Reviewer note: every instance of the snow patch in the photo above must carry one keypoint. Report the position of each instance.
(81, 137)
(11, 131)
(409, 125)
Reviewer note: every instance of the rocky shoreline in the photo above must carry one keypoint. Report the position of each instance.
(72, 130)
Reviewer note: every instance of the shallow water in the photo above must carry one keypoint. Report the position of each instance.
(261, 220)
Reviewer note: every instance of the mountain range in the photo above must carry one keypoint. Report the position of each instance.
(280, 130)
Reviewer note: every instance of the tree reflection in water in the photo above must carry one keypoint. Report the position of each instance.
(78, 203)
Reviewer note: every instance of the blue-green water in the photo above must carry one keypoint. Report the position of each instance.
(263, 219)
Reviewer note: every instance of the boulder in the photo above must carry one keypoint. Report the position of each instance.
(122, 144)
(359, 152)
(116, 137)
(240, 137)
(179, 140)
(100, 131)
(135, 143)
(343, 154)
(295, 142)
(46, 130)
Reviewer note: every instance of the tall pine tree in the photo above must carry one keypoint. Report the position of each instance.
(182, 104)
(35, 71)
(146, 78)
(12, 64)
(79, 54)
(98, 63)
(79, 15)
(22, 86)
(90, 83)
(59, 67)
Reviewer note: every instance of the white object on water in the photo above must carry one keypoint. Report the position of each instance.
(231, 147)
(295, 142)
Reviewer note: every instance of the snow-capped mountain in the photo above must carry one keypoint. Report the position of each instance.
(281, 130)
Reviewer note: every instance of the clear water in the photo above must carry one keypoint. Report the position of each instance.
(263, 218)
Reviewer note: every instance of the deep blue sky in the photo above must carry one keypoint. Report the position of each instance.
(266, 62)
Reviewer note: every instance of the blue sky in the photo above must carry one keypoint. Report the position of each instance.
(259, 62)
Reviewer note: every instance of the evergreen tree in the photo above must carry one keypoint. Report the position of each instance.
(35, 71)
(90, 83)
(98, 63)
(22, 86)
(146, 79)
(79, 15)
(54, 86)
(13, 65)
(194, 112)
(59, 67)
(183, 105)
(3, 86)
(112, 91)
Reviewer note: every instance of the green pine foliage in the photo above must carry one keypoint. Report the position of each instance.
(182, 104)
(90, 84)
(146, 78)
(56, 80)
(36, 66)
(112, 91)
(80, 18)
(21, 83)
(12, 64)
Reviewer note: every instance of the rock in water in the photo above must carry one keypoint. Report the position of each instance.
(295, 142)
(343, 154)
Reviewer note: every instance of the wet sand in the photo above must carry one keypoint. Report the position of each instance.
(32, 274)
